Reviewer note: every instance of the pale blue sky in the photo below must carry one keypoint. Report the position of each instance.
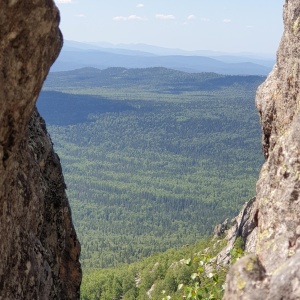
(220, 25)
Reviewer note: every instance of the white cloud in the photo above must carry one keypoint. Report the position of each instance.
(204, 19)
(80, 16)
(120, 18)
(137, 18)
(64, 1)
(191, 17)
(227, 21)
(165, 17)
(140, 5)
(250, 26)
(129, 18)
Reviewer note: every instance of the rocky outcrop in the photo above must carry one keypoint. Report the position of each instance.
(244, 226)
(39, 248)
(220, 229)
(274, 271)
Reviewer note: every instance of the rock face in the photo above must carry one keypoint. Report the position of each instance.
(39, 248)
(274, 271)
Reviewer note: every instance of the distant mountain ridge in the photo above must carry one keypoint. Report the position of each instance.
(161, 51)
(78, 55)
(157, 78)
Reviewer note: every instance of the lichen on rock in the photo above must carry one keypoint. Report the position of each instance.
(39, 248)
(247, 273)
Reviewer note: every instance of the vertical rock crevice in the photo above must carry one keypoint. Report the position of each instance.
(39, 248)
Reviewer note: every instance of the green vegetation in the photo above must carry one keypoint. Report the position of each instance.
(162, 276)
(153, 158)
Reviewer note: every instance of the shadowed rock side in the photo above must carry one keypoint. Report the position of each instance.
(39, 248)
(273, 272)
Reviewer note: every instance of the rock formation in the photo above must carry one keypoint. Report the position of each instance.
(244, 226)
(39, 248)
(272, 272)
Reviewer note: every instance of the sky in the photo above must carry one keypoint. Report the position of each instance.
(233, 26)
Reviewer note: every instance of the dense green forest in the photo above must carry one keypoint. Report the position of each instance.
(153, 158)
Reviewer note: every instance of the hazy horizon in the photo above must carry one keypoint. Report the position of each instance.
(141, 46)
(221, 26)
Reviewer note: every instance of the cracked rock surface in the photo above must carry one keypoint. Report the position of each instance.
(277, 247)
(39, 248)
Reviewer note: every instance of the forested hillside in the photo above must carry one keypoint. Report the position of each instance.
(153, 158)
(160, 275)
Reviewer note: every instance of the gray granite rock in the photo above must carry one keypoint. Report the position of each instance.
(278, 187)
